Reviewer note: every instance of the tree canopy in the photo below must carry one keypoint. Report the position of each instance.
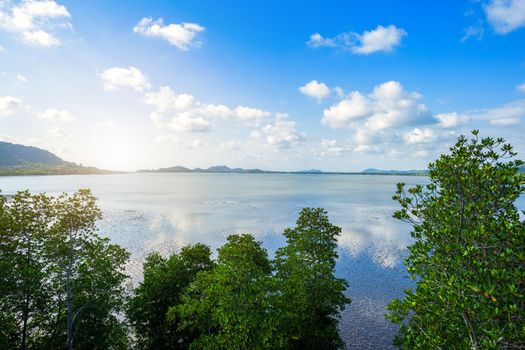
(62, 284)
(468, 257)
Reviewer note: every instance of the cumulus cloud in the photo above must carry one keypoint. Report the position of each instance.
(182, 36)
(380, 39)
(281, 134)
(521, 88)
(55, 115)
(33, 21)
(416, 136)
(355, 107)
(218, 111)
(251, 115)
(9, 105)
(124, 78)
(452, 120)
(315, 89)
(506, 16)
(167, 101)
(188, 121)
(388, 106)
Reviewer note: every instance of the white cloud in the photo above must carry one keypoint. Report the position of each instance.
(219, 111)
(388, 106)
(120, 77)
(249, 114)
(506, 15)
(417, 136)
(56, 132)
(380, 39)
(55, 115)
(521, 88)
(188, 121)
(40, 38)
(331, 148)
(317, 40)
(315, 89)
(9, 105)
(452, 120)
(281, 134)
(182, 35)
(32, 21)
(348, 110)
(505, 121)
(167, 100)
(515, 109)
(364, 136)
(192, 115)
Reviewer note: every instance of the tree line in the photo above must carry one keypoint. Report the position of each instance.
(63, 286)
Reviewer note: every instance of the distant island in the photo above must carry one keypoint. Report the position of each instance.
(223, 169)
(18, 159)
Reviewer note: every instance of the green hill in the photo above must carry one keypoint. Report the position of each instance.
(27, 160)
(12, 155)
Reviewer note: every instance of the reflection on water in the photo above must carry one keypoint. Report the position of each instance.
(162, 212)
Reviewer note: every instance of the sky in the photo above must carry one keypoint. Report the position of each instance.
(276, 85)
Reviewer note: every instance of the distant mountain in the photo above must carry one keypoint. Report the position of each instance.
(310, 171)
(394, 172)
(28, 160)
(212, 169)
(12, 154)
(227, 170)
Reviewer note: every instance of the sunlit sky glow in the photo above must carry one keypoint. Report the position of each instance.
(278, 85)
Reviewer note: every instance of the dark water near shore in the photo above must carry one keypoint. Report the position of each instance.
(161, 212)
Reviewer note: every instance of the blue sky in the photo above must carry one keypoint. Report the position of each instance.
(335, 85)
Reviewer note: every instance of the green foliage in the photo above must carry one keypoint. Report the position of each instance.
(57, 272)
(164, 282)
(468, 257)
(24, 296)
(231, 306)
(311, 297)
(248, 302)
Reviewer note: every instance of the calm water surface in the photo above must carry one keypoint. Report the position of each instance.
(161, 212)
